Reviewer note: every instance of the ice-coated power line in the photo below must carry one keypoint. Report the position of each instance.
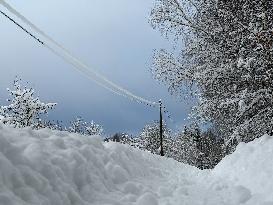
(78, 64)
(52, 50)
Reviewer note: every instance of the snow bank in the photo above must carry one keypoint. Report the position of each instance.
(48, 167)
(250, 167)
(58, 168)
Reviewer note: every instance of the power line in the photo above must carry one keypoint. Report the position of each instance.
(17, 24)
(78, 64)
(84, 69)
(52, 50)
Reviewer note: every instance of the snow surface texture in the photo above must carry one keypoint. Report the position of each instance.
(59, 168)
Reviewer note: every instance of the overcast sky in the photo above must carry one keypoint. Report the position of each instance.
(113, 36)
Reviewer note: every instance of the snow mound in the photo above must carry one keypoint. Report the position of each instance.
(48, 167)
(59, 168)
(250, 167)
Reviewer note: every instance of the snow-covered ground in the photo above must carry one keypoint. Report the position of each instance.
(58, 168)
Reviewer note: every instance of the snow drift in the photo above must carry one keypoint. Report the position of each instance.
(59, 168)
(250, 166)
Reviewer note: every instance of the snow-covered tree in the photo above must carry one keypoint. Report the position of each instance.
(127, 139)
(196, 148)
(24, 109)
(227, 55)
(185, 148)
(93, 129)
(211, 148)
(78, 125)
(54, 125)
(1, 116)
(150, 137)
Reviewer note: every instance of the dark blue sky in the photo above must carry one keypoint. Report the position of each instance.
(112, 36)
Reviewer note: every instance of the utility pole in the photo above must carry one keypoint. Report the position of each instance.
(161, 129)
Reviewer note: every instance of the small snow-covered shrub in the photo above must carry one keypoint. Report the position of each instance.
(24, 109)
(93, 129)
(85, 128)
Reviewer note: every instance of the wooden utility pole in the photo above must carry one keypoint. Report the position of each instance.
(161, 129)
